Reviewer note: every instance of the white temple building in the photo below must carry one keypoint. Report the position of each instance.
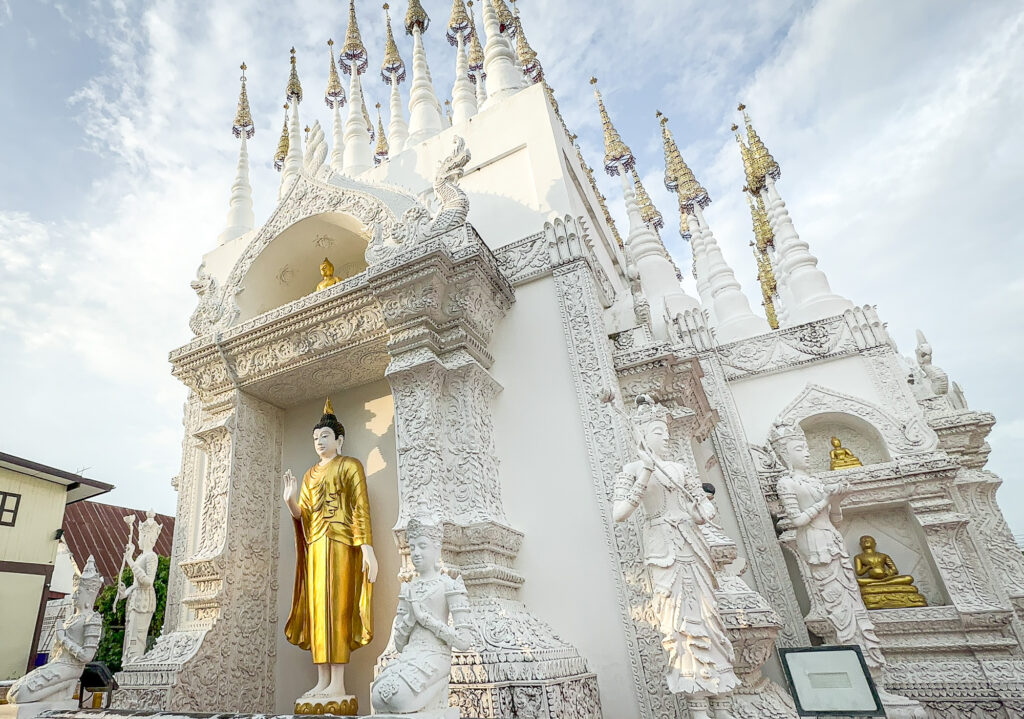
(484, 346)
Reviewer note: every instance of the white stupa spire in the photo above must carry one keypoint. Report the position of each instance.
(425, 118)
(732, 314)
(808, 295)
(240, 215)
(392, 71)
(335, 99)
(658, 279)
(503, 79)
(463, 95)
(293, 160)
(476, 60)
(354, 61)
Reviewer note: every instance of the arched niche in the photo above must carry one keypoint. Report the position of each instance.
(856, 435)
(289, 266)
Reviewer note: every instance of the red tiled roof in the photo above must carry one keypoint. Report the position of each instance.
(99, 530)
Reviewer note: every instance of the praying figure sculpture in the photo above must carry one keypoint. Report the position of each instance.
(417, 679)
(881, 584)
(700, 655)
(141, 595)
(74, 647)
(840, 457)
(327, 272)
(334, 566)
(810, 507)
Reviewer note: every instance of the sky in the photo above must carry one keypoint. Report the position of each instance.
(896, 126)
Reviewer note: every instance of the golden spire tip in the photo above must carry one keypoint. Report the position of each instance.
(593, 80)
(741, 107)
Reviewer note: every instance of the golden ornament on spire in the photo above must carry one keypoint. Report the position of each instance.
(458, 23)
(335, 94)
(328, 407)
(762, 163)
(243, 117)
(765, 271)
(648, 212)
(380, 153)
(282, 144)
(416, 18)
(506, 20)
(448, 110)
(294, 90)
(392, 65)
(353, 53)
(476, 50)
(527, 55)
(616, 153)
(754, 184)
(678, 175)
(369, 123)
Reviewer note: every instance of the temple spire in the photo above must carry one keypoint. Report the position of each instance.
(240, 215)
(616, 153)
(354, 61)
(380, 153)
(648, 212)
(293, 160)
(761, 245)
(716, 281)
(282, 143)
(503, 79)
(334, 96)
(476, 60)
(424, 108)
(392, 71)
(463, 96)
(804, 288)
(526, 55)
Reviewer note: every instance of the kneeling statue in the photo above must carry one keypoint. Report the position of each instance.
(416, 681)
(74, 647)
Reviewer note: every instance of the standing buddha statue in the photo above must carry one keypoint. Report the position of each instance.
(840, 457)
(881, 584)
(335, 566)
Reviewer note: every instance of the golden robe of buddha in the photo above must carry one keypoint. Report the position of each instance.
(881, 584)
(327, 272)
(840, 457)
(331, 602)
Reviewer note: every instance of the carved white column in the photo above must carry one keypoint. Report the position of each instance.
(503, 79)
(424, 109)
(226, 538)
(463, 95)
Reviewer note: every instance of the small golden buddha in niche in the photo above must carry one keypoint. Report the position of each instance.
(840, 457)
(881, 584)
(327, 271)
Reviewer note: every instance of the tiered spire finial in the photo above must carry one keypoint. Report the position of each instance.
(648, 212)
(458, 23)
(392, 68)
(353, 52)
(616, 153)
(754, 184)
(282, 144)
(765, 272)
(380, 153)
(527, 55)
(293, 93)
(416, 17)
(243, 117)
(335, 93)
(506, 20)
(678, 175)
(761, 161)
(476, 50)
(369, 123)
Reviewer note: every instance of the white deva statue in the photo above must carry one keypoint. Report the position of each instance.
(141, 594)
(700, 655)
(73, 648)
(811, 507)
(416, 680)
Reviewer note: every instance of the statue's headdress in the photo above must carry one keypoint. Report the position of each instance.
(328, 419)
(88, 582)
(329, 265)
(149, 528)
(781, 434)
(418, 528)
(647, 410)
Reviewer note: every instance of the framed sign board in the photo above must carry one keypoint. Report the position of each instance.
(831, 681)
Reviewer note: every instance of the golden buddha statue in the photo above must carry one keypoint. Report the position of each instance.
(327, 271)
(840, 457)
(335, 566)
(881, 584)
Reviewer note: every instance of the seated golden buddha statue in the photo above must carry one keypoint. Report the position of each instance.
(840, 457)
(327, 271)
(881, 584)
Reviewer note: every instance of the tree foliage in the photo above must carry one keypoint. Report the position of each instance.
(113, 612)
